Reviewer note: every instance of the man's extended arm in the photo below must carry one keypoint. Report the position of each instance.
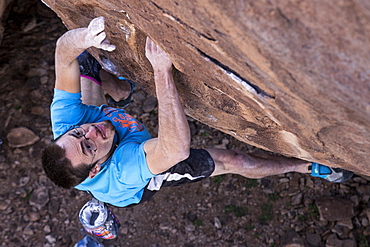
(173, 142)
(72, 44)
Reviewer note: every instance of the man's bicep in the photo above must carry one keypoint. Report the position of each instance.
(155, 158)
(149, 149)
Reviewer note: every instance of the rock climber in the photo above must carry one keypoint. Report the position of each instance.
(106, 152)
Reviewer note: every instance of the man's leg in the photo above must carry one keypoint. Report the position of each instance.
(198, 166)
(92, 93)
(116, 88)
(91, 89)
(254, 165)
(96, 82)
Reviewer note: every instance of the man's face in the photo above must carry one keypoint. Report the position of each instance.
(88, 144)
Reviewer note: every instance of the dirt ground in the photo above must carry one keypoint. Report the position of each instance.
(222, 211)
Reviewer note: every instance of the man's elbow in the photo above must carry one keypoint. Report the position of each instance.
(175, 156)
(59, 50)
(168, 161)
(60, 42)
(183, 155)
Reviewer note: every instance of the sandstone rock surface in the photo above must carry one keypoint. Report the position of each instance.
(287, 76)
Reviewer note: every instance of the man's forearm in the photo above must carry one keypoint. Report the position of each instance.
(72, 44)
(173, 142)
(173, 130)
(68, 47)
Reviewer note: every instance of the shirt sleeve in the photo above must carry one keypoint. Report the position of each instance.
(132, 167)
(67, 109)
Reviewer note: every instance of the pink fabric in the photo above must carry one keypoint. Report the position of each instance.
(90, 78)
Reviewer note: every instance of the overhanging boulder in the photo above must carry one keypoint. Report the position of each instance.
(287, 76)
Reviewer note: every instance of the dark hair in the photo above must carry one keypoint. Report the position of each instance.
(59, 169)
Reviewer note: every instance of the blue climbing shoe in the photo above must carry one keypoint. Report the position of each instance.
(334, 175)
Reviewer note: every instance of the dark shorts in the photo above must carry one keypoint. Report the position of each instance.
(198, 166)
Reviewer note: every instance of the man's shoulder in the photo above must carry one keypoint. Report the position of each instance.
(61, 94)
(63, 99)
(129, 160)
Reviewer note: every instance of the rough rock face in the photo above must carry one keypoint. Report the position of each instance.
(287, 76)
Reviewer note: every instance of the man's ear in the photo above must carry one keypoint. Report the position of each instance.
(94, 171)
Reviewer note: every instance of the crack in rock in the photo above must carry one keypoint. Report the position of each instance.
(235, 76)
(174, 18)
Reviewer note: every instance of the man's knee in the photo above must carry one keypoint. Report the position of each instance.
(232, 161)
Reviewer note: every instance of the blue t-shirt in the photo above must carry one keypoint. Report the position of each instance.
(124, 175)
